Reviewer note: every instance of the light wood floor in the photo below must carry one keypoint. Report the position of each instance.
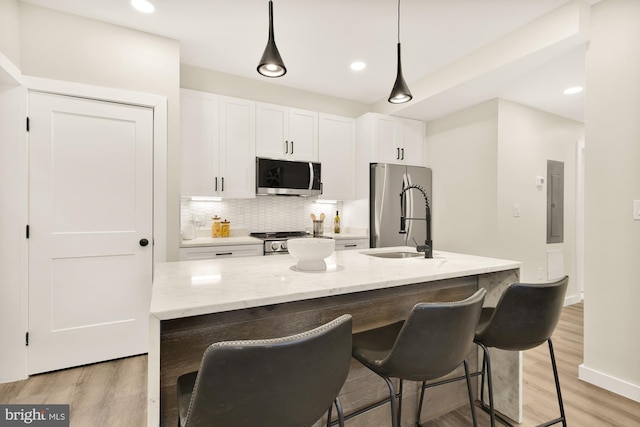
(114, 393)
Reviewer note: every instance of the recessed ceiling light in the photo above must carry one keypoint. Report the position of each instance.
(572, 90)
(358, 66)
(143, 6)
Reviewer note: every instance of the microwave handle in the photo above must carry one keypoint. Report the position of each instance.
(310, 175)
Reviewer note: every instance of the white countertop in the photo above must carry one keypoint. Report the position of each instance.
(248, 240)
(220, 241)
(191, 288)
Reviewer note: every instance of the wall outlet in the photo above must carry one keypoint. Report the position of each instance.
(636, 209)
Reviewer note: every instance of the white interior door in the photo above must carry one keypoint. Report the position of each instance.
(90, 209)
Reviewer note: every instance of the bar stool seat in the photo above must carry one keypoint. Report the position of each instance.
(433, 341)
(525, 317)
(280, 382)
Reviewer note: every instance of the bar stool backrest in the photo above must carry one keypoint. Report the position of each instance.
(435, 339)
(282, 382)
(526, 315)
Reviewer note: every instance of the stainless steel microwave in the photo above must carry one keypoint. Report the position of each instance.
(289, 178)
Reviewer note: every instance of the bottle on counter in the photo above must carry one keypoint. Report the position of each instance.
(215, 227)
(336, 224)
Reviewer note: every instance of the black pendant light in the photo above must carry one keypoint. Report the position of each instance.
(271, 64)
(400, 92)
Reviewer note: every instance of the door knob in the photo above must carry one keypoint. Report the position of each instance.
(144, 242)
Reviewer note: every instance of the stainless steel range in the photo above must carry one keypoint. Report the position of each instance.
(276, 242)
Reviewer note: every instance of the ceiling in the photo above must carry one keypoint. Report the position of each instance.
(318, 39)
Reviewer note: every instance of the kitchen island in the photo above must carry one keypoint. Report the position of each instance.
(196, 303)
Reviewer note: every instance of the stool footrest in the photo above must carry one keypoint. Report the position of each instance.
(365, 409)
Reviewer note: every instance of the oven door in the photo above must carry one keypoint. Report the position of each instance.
(286, 177)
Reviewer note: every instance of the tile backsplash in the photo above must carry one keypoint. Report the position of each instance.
(264, 213)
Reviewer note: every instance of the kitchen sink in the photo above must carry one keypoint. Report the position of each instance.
(396, 254)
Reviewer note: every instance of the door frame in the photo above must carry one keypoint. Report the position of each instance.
(158, 104)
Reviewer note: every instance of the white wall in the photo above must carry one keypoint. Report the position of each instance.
(527, 139)
(462, 151)
(485, 160)
(61, 46)
(226, 84)
(9, 30)
(612, 237)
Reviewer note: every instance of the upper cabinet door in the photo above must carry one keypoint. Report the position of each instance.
(199, 143)
(237, 167)
(337, 136)
(303, 135)
(398, 140)
(218, 145)
(286, 133)
(272, 124)
(387, 139)
(413, 137)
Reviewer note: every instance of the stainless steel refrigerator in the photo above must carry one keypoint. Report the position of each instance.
(387, 182)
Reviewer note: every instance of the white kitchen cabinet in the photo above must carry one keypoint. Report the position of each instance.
(395, 140)
(351, 244)
(218, 145)
(216, 252)
(286, 133)
(337, 150)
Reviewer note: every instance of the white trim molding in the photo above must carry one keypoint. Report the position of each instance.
(607, 382)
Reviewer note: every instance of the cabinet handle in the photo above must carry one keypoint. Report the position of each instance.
(291, 147)
(286, 147)
(222, 179)
(350, 246)
(224, 253)
(216, 187)
(402, 149)
(398, 153)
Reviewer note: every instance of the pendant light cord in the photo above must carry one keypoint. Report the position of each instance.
(398, 21)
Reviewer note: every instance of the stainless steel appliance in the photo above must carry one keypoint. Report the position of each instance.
(289, 178)
(276, 242)
(390, 213)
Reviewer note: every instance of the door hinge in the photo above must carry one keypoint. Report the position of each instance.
(26, 339)
(27, 124)
(27, 231)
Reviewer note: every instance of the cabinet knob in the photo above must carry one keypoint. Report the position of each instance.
(144, 242)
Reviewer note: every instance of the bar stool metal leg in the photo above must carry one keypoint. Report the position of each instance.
(470, 391)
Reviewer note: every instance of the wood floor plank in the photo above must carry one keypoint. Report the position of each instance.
(114, 393)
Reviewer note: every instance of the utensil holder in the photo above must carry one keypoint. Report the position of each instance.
(318, 228)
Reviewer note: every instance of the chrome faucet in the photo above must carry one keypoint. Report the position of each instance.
(427, 248)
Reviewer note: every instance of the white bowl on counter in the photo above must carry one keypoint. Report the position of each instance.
(311, 252)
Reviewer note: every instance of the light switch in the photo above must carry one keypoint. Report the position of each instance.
(636, 209)
(516, 210)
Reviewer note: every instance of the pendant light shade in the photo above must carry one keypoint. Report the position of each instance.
(400, 92)
(271, 64)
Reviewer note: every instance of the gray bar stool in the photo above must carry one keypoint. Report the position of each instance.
(525, 317)
(281, 382)
(433, 341)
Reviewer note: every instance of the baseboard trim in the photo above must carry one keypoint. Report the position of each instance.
(607, 382)
(572, 299)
